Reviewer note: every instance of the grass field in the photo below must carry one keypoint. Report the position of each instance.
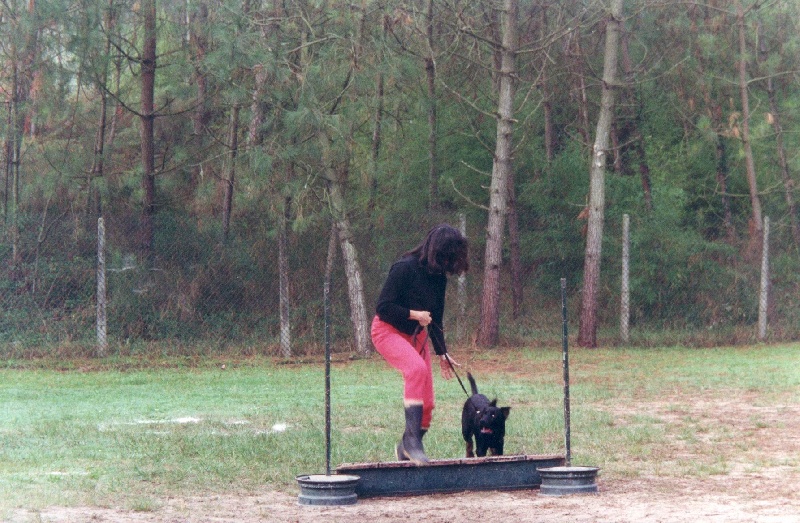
(129, 433)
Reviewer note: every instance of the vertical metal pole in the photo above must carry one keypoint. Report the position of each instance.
(565, 363)
(102, 339)
(625, 292)
(326, 299)
(764, 294)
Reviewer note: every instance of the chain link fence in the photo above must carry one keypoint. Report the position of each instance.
(79, 286)
(84, 288)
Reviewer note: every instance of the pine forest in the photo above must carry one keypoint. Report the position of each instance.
(219, 164)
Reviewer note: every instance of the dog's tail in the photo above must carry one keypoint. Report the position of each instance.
(472, 384)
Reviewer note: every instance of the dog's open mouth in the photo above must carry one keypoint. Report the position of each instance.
(486, 430)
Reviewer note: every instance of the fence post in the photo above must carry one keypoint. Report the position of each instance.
(462, 287)
(102, 339)
(625, 298)
(764, 294)
(284, 305)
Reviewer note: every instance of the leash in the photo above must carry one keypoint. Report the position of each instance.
(452, 367)
(446, 356)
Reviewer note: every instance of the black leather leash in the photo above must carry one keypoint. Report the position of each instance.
(452, 367)
(446, 356)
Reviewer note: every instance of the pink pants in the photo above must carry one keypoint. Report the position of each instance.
(411, 356)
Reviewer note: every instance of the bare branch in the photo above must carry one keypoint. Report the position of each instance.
(464, 196)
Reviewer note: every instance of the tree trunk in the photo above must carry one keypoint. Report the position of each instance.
(12, 159)
(756, 228)
(337, 171)
(430, 72)
(255, 132)
(15, 133)
(489, 328)
(377, 137)
(22, 71)
(118, 109)
(333, 239)
(8, 144)
(30, 72)
(376, 141)
(201, 114)
(98, 160)
(262, 79)
(352, 269)
(615, 147)
(148, 67)
(547, 113)
(355, 288)
(587, 336)
(230, 177)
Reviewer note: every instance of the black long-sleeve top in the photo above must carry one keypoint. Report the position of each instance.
(408, 287)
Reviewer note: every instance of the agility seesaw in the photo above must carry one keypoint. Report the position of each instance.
(554, 474)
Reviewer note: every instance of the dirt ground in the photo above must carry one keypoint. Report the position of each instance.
(761, 445)
(762, 498)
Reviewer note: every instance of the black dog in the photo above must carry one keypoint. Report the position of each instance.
(485, 421)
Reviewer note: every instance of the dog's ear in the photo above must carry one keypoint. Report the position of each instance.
(493, 403)
(506, 411)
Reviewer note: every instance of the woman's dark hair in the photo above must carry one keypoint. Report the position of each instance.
(444, 250)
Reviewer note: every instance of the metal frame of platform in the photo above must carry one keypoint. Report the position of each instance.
(403, 478)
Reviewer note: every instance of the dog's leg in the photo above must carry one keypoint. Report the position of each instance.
(466, 431)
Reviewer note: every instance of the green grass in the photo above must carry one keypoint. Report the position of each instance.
(129, 433)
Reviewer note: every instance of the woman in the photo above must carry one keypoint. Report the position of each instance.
(410, 309)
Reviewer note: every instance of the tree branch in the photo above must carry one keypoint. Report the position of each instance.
(465, 197)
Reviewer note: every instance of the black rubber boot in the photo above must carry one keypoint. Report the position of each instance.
(398, 449)
(410, 447)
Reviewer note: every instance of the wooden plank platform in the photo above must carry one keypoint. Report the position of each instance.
(402, 478)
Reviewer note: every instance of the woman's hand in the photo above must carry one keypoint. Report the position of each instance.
(423, 317)
(444, 366)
